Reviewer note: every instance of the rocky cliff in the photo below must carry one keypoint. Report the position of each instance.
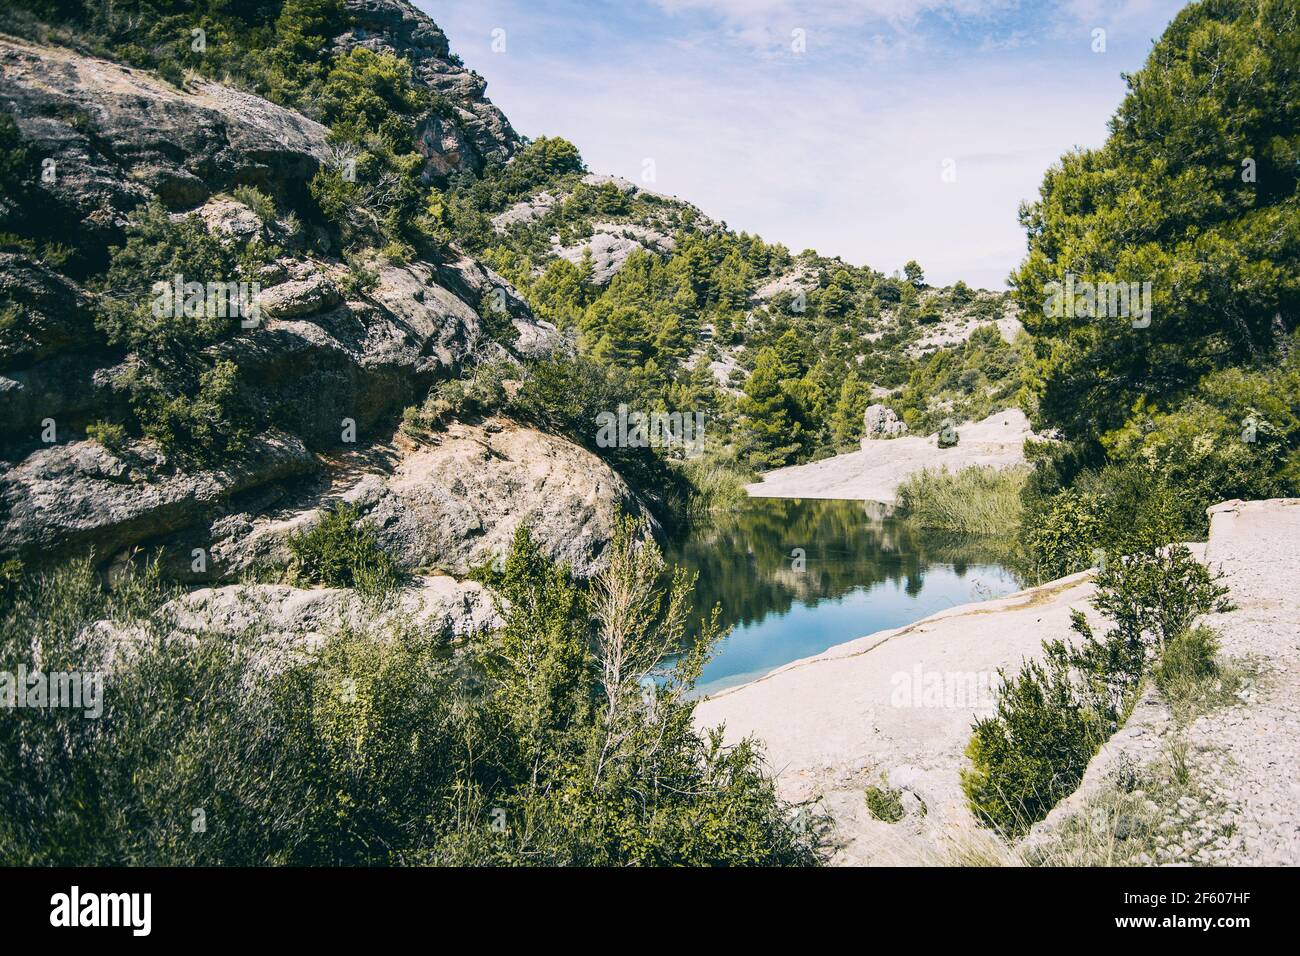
(480, 133)
(107, 140)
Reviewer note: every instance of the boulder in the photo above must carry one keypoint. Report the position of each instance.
(290, 300)
(448, 506)
(880, 421)
(457, 504)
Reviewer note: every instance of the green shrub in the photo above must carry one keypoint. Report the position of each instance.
(342, 552)
(388, 746)
(109, 434)
(975, 500)
(1119, 509)
(480, 394)
(262, 205)
(884, 804)
(1054, 714)
(181, 397)
(1033, 751)
(1155, 595)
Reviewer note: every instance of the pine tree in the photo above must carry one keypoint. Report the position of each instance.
(770, 421)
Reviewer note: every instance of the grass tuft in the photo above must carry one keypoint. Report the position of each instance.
(980, 499)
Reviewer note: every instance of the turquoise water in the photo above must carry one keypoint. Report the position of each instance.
(857, 570)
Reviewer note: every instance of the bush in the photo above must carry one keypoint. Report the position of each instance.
(1033, 751)
(1155, 595)
(1120, 509)
(112, 436)
(553, 742)
(180, 396)
(262, 205)
(482, 393)
(341, 552)
(884, 804)
(976, 500)
(1054, 715)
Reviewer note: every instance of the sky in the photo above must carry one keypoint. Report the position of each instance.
(876, 130)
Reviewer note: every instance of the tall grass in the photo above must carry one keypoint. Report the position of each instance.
(717, 483)
(979, 499)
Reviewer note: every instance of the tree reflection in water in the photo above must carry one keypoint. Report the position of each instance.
(863, 570)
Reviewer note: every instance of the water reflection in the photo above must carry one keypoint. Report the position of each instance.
(796, 577)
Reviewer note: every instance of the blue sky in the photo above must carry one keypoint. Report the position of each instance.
(841, 146)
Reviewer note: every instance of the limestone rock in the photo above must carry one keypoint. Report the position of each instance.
(476, 132)
(458, 504)
(121, 136)
(289, 300)
(450, 506)
(80, 498)
(437, 602)
(46, 312)
(880, 421)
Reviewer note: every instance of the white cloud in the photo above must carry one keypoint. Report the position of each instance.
(842, 154)
(766, 25)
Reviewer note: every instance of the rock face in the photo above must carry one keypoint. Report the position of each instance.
(448, 506)
(81, 499)
(120, 136)
(880, 421)
(476, 132)
(609, 251)
(318, 355)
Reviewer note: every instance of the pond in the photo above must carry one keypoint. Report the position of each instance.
(795, 577)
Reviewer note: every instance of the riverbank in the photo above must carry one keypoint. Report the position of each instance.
(895, 708)
(875, 472)
(1240, 802)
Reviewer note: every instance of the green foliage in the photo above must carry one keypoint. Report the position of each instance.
(564, 394)
(481, 393)
(341, 551)
(975, 500)
(913, 273)
(1168, 200)
(969, 381)
(884, 803)
(717, 482)
(109, 434)
(1120, 509)
(180, 393)
(1156, 594)
(277, 48)
(1187, 659)
(259, 202)
(1033, 751)
(771, 415)
(1055, 713)
(1236, 436)
(545, 744)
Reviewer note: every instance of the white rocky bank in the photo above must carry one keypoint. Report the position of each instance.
(875, 472)
(852, 716)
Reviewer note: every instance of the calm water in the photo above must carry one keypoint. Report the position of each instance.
(863, 571)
